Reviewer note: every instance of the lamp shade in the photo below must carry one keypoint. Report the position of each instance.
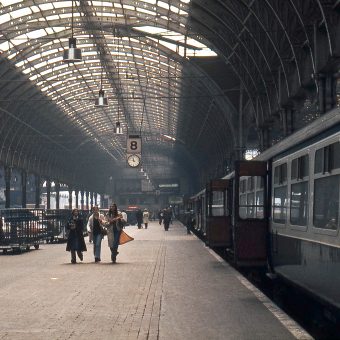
(101, 100)
(72, 54)
(119, 129)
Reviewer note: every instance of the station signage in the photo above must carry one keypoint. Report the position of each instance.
(134, 145)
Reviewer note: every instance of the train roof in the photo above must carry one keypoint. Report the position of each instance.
(325, 122)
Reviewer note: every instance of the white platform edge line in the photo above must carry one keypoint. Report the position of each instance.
(293, 327)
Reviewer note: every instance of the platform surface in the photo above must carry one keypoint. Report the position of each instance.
(165, 285)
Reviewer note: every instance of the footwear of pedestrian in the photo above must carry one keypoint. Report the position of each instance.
(81, 257)
(97, 259)
(73, 261)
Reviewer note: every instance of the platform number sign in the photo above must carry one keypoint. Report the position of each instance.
(134, 145)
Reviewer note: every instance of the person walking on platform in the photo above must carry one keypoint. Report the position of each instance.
(188, 221)
(160, 217)
(89, 225)
(146, 218)
(75, 240)
(139, 217)
(166, 219)
(97, 236)
(125, 218)
(115, 226)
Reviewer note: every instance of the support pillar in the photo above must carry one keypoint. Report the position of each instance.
(87, 200)
(8, 172)
(95, 199)
(327, 92)
(264, 138)
(91, 197)
(77, 199)
(82, 199)
(287, 121)
(48, 194)
(23, 188)
(37, 191)
(70, 198)
(57, 195)
(240, 125)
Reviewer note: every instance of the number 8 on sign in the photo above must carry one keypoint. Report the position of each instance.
(134, 145)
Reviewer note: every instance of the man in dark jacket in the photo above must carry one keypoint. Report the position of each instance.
(166, 219)
(139, 217)
(188, 220)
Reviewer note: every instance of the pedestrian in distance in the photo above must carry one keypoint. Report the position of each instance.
(2, 234)
(160, 217)
(139, 217)
(145, 218)
(115, 223)
(75, 240)
(166, 218)
(188, 220)
(124, 214)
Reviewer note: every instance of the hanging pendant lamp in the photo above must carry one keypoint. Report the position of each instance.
(72, 54)
(119, 129)
(101, 100)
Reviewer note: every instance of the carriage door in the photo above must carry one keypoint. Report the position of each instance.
(218, 224)
(250, 223)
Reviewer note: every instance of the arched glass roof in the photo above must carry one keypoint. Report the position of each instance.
(134, 49)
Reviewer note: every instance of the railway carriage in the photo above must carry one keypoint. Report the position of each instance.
(281, 210)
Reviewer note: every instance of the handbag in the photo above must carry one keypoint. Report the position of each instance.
(103, 231)
(124, 237)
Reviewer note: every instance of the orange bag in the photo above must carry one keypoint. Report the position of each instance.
(124, 237)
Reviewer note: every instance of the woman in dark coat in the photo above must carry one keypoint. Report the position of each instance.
(75, 240)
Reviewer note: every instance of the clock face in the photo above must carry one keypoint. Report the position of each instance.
(133, 160)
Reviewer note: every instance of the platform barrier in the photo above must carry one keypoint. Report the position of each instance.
(25, 228)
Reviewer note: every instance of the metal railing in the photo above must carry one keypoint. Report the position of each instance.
(23, 228)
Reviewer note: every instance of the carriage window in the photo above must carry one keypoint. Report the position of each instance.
(300, 167)
(326, 202)
(327, 158)
(299, 203)
(250, 184)
(243, 185)
(280, 204)
(318, 161)
(280, 174)
(251, 201)
(251, 205)
(336, 155)
(259, 204)
(217, 208)
(243, 206)
(259, 182)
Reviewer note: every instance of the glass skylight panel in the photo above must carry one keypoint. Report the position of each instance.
(163, 4)
(20, 13)
(19, 40)
(34, 77)
(62, 4)
(143, 10)
(5, 46)
(100, 3)
(9, 2)
(36, 34)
